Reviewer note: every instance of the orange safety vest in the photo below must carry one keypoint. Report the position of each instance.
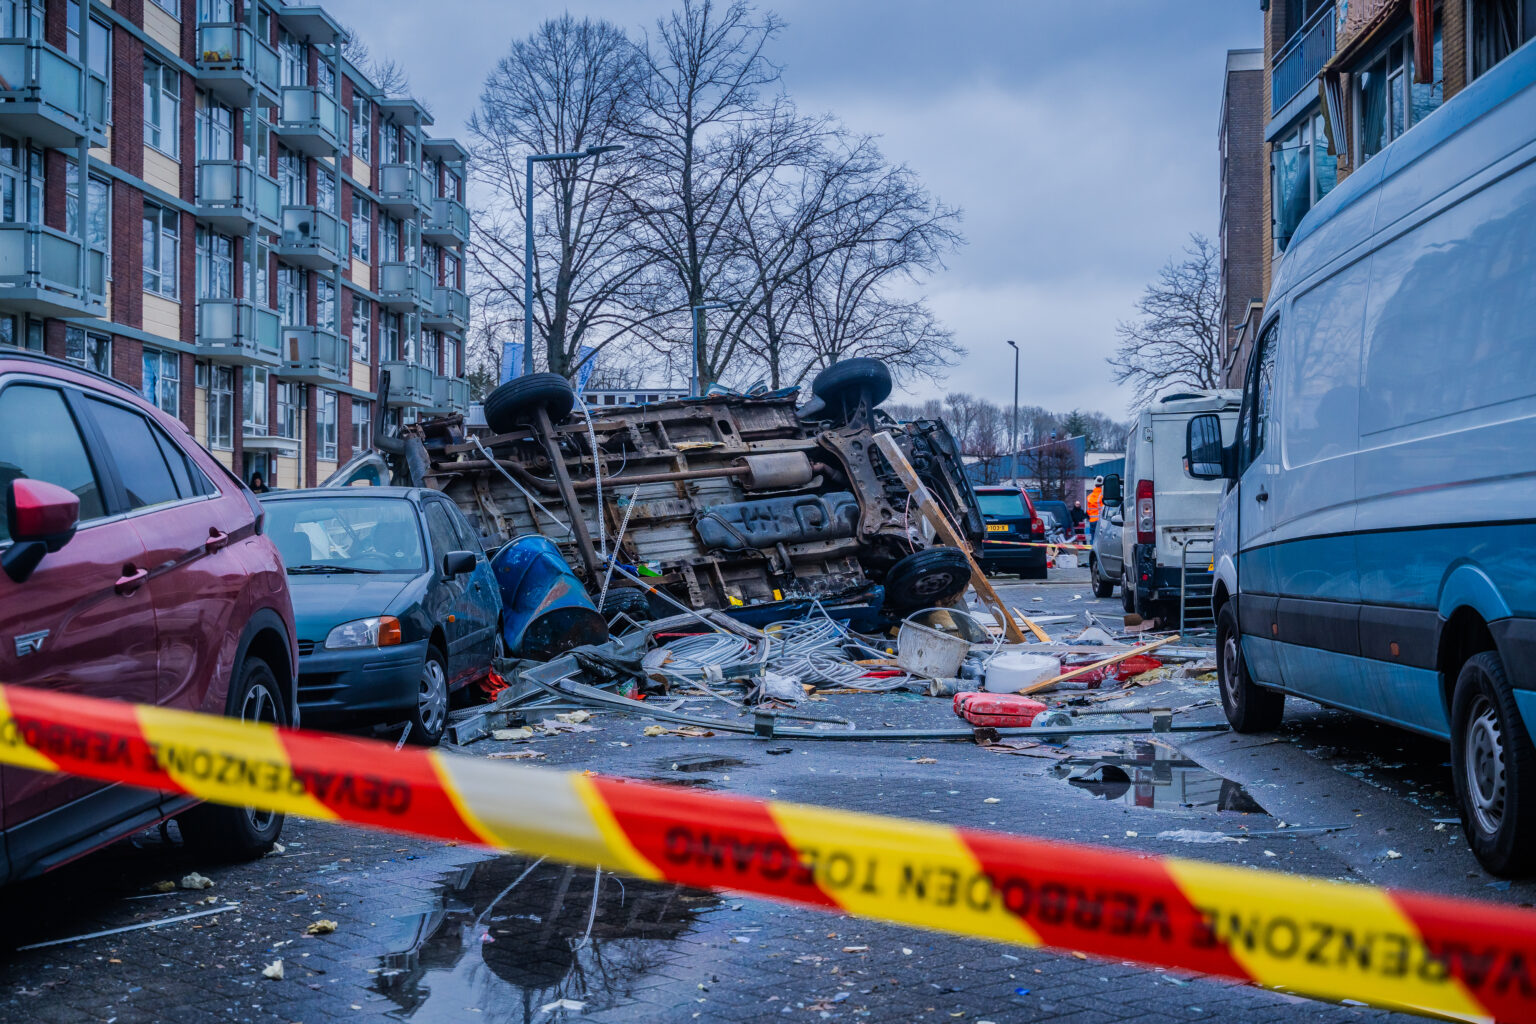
(1095, 503)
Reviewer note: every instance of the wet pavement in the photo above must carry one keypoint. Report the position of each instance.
(434, 933)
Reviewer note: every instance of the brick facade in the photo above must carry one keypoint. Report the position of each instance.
(1243, 172)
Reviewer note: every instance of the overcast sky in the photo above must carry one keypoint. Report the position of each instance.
(1079, 138)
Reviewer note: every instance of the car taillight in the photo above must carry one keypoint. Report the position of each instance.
(1037, 527)
(1146, 513)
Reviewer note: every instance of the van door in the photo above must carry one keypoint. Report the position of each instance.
(1257, 464)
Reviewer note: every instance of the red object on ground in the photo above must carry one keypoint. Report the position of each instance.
(493, 684)
(998, 710)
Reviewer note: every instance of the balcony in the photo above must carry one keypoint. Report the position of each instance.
(232, 197)
(232, 62)
(41, 273)
(449, 395)
(49, 97)
(449, 309)
(409, 384)
(315, 355)
(238, 331)
(402, 189)
(448, 224)
(1297, 65)
(404, 286)
(309, 122)
(312, 237)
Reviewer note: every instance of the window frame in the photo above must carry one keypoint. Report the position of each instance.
(221, 408)
(362, 425)
(1398, 115)
(215, 252)
(362, 227)
(255, 400)
(326, 411)
(362, 329)
(167, 232)
(362, 127)
(162, 105)
(290, 407)
(171, 7)
(86, 434)
(86, 359)
(72, 224)
(165, 358)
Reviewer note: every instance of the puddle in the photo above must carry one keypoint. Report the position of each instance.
(510, 935)
(1155, 776)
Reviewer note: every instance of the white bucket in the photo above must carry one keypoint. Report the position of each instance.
(924, 651)
(1014, 670)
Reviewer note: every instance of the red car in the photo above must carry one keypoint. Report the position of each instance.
(134, 567)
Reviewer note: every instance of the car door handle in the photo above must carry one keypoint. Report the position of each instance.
(129, 581)
(1261, 496)
(217, 538)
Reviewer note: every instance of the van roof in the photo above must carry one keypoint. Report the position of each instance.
(1202, 400)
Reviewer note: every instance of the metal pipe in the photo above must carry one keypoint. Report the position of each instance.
(553, 486)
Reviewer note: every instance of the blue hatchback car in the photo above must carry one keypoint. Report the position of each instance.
(394, 602)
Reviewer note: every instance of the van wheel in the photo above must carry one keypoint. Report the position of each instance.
(1101, 586)
(517, 402)
(1249, 707)
(240, 833)
(1493, 765)
(1127, 595)
(925, 578)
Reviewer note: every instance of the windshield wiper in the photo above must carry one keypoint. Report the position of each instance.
(321, 567)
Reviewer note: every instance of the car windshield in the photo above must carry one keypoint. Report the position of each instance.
(1001, 503)
(324, 534)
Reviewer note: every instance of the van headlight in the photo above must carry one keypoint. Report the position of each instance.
(377, 631)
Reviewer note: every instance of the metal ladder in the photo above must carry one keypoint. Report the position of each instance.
(1196, 552)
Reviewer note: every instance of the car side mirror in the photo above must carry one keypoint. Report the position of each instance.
(1204, 454)
(1114, 490)
(457, 563)
(41, 518)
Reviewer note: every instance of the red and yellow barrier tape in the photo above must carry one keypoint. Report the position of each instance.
(1452, 958)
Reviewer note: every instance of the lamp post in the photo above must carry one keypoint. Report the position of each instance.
(698, 355)
(1013, 433)
(592, 151)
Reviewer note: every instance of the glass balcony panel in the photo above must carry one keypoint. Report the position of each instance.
(267, 68)
(60, 79)
(224, 43)
(269, 201)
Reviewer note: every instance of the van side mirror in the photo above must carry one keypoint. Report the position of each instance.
(1114, 490)
(1204, 454)
(457, 563)
(40, 518)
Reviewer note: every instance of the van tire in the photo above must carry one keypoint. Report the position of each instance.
(1249, 707)
(1493, 766)
(846, 379)
(226, 833)
(517, 402)
(1101, 586)
(1127, 595)
(925, 578)
(634, 603)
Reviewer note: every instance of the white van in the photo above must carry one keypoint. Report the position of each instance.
(1168, 517)
(1376, 549)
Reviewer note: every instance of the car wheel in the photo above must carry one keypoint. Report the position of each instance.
(841, 386)
(1101, 586)
(517, 402)
(240, 833)
(1493, 766)
(429, 719)
(1249, 706)
(925, 578)
(1127, 595)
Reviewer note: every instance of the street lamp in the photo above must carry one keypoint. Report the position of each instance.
(1013, 433)
(698, 354)
(592, 151)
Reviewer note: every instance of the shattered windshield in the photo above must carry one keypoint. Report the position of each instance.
(346, 534)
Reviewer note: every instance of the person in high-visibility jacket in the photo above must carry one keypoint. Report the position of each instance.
(1095, 506)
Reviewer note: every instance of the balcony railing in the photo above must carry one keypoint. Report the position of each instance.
(402, 187)
(316, 355)
(404, 285)
(448, 223)
(312, 237)
(449, 308)
(238, 331)
(1297, 65)
(231, 60)
(47, 95)
(409, 383)
(309, 120)
(231, 195)
(449, 394)
(40, 272)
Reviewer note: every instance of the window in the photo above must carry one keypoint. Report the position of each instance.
(453, 186)
(389, 238)
(389, 144)
(1259, 401)
(255, 386)
(290, 177)
(39, 440)
(362, 328)
(325, 423)
(294, 61)
(362, 227)
(162, 241)
(362, 426)
(289, 402)
(1387, 100)
(429, 342)
(171, 7)
(292, 293)
(21, 182)
(162, 106)
(98, 212)
(221, 408)
(137, 453)
(391, 338)
(1498, 29)
(440, 528)
(88, 349)
(215, 129)
(452, 276)
(362, 127)
(325, 304)
(1302, 172)
(162, 380)
(256, 275)
(325, 189)
(215, 11)
(215, 265)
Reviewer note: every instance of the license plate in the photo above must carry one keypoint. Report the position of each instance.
(996, 528)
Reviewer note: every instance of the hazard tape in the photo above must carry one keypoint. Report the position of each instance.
(1452, 958)
(1037, 544)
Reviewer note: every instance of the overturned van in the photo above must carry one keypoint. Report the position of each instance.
(727, 501)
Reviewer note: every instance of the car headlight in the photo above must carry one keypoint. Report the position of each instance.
(377, 631)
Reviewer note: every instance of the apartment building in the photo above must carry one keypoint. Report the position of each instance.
(206, 201)
(1346, 77)
(1239, 234)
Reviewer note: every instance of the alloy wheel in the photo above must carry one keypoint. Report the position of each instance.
(259, 705)
(432, 696)
(1484, 766)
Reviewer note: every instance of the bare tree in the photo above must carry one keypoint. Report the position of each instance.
(1176, 338)
(1052, 466)
(385, 72)
(569, 86)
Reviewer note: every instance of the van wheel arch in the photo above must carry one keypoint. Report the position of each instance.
(1463, 635)
(1219, 599)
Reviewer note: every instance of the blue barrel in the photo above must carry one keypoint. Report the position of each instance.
(546, 609)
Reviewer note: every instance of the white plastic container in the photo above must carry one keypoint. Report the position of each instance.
(1012, 671)
(924, 651)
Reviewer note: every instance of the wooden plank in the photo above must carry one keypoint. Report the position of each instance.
(1040, 634)
(944, 528)
(1117, 659)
